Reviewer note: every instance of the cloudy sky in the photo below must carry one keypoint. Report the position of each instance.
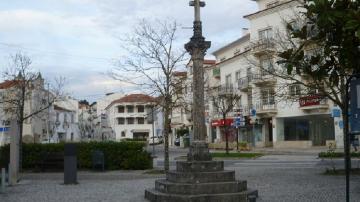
(79, 39)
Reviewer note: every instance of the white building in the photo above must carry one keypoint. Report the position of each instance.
(64, 125)
(34, 128)
(131, 116)
(279, 122)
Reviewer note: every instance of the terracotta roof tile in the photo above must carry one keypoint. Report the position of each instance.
(134, 98)
(7, 84)
(180, 73)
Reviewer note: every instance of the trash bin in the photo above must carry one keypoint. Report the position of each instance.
(98, 160)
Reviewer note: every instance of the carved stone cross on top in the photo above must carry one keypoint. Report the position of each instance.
(197, 4)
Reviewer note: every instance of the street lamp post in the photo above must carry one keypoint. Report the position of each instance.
(197, 48)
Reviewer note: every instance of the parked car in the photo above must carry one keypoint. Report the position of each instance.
(177, 142)
(155, 140)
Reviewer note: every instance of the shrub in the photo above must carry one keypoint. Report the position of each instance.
(337, 154)
(118, 155)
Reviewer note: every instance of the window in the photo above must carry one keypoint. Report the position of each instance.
(295, 90)
(266, 66)
(265, 34)
(141, 108)
(268, 97)
(237, 75)
(140, 120)
(294, 25)
(130, 121)
(6, 123)
(121, 121)
(72, 118)
(130, 109)
(121, 109)
(228, 82)
(122, 133)
(72, 136)
(65, 117)
(57, 116)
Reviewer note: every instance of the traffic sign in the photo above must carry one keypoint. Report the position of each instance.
(5, 129)
(253, 112)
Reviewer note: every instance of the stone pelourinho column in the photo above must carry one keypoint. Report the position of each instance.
(197, 48)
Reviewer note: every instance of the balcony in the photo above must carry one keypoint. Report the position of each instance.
(243, 84)
(263, 47)
(243, 110)
(263, 79)
(313, 102)
(226, 89)
(266, 108)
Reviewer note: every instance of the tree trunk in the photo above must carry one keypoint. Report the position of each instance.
(226, 135)
(166, 137)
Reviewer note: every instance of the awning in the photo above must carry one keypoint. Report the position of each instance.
(220, 122)
(140, 131)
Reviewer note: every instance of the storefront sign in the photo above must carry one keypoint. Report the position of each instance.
(220, 122)
(312, 100)
(5, 129)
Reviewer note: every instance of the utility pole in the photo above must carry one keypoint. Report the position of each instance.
(48, 113)
(197, 48)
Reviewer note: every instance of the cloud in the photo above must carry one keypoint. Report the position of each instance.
(77, 38)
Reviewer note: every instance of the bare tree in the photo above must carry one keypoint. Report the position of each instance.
(224, 102)
(25, 96)
(153, 57)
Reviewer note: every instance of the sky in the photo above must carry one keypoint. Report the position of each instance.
(80, 39)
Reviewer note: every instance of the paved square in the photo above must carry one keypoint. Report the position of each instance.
(278, 178)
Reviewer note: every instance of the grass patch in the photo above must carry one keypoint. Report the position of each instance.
(337, 155)
(354, 171)
(236, 155)
(154, 172)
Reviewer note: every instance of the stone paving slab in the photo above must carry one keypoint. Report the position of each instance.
(285, 184)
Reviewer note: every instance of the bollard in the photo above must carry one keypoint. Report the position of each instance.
(70, 164)
(3, 180)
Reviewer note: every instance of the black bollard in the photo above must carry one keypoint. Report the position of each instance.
(70, 164)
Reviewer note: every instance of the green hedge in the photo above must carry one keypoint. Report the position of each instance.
(118, 155)
(337, 154)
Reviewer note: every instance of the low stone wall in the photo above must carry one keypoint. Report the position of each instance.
(293, 144)
(222, 145)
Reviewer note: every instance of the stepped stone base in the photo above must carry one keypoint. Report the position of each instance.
(199, 179)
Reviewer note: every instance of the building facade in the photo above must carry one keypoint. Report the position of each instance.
(273, 118)
(34, 127)
(131, 117)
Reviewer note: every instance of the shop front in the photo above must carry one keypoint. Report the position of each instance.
(305, 131)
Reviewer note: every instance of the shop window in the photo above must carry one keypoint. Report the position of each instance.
(296, 130)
